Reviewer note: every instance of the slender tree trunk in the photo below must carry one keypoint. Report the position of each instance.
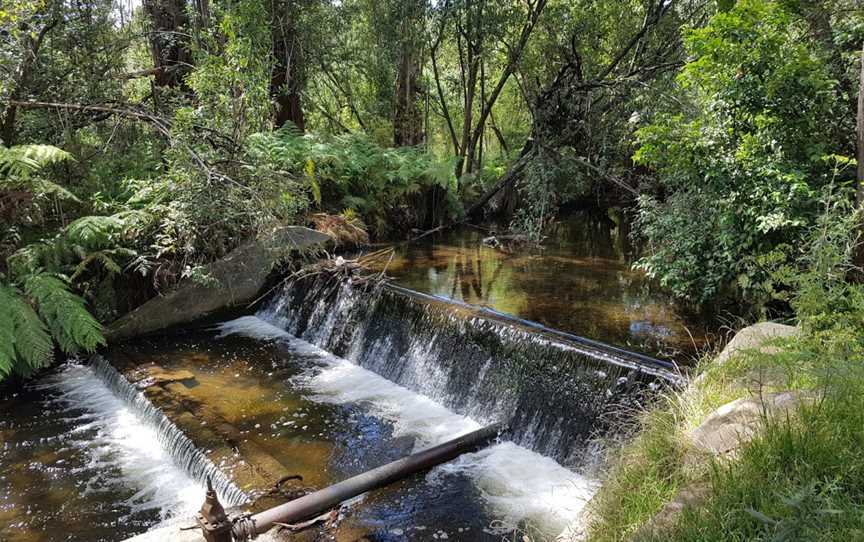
(466, 161)
(286, 83)
(860, 130)
(169, 42)
(408, 116)
(471, 138)
(433, 56)
(469, 63)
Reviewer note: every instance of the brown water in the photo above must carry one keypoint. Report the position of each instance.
(580, 281)
(326, 419)
(77, 464)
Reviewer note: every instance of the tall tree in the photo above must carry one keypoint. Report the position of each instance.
(408, 115)
(31, 35)
(288, 75)
(860, 133)
(480, 27)
(587, 102)
(169, 41)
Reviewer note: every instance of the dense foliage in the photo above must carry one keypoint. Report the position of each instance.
(745, 162)
(37, 307)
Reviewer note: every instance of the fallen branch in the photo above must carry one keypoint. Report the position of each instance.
(294, 527)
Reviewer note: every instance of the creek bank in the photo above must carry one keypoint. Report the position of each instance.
(710, 420)
(231, 282)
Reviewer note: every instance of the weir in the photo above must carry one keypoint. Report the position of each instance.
(465, 366)
(182, 450)
(556, 392)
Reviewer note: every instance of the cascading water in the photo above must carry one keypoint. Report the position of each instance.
(555, 391)
(180, 448)
(76, 463)
(520, 487)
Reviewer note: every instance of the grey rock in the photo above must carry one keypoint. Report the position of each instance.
(755, 337)
(237, 280)
(735, 423)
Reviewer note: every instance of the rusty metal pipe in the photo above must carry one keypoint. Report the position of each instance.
(324, 499)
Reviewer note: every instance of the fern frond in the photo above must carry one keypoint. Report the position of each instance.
(24, 341)
(94, 231)
(7, 330)
(22, 160)
(70, 323)
(104, 257)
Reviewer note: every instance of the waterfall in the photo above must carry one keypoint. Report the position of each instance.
(181, 449)
(556, 391)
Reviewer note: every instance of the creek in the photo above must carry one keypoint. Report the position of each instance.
(331, 377)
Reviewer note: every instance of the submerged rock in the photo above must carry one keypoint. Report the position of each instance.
(236, 279)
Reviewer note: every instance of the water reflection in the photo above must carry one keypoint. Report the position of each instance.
(581, 282)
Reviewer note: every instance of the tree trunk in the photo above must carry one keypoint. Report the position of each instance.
(169, 42)
(8, 128)
(471, 134)
(408, 117)
(286, 82)
(860, 130)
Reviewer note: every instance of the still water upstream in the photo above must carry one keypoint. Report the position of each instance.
(579, 281)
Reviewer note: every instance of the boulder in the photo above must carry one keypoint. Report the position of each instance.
(237, 279)
(755, 337)
(691, 495)
(734, 423)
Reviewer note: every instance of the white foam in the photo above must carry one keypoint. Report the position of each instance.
(252, 326)
(126, 443)
(517, 484)
(524, 487)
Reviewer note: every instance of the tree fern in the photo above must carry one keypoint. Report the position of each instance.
(94, 231)
(71, 325)
(19, 165)
(22, 160)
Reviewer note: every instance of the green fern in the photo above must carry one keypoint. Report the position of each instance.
(22, 160)
(19, 165)
(25, 344)
(71, 325)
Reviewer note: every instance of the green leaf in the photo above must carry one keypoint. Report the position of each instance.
(23, 337)
(70, 323)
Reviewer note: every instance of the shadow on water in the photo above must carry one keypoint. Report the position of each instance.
(580, 281)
